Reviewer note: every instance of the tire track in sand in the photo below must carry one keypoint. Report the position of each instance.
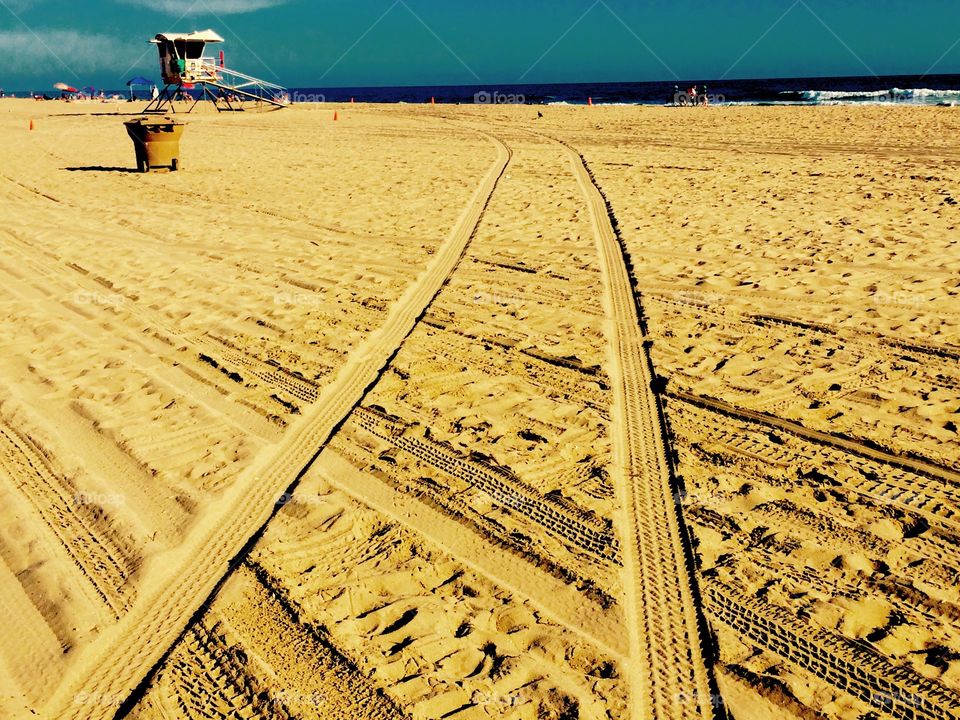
(127, 653)
(949, 477)
(557, 599)
(668, 675)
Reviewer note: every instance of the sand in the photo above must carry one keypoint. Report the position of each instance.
(456, 412)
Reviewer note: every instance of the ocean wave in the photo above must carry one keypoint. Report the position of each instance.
(916, 95)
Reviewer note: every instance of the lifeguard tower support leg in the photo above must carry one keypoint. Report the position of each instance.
(158, 104)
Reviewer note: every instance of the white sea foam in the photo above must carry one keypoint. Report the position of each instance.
(923, 96)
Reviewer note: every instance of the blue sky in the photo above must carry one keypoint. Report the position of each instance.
(331, 43)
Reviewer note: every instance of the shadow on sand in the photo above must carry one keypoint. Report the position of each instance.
(100, 168)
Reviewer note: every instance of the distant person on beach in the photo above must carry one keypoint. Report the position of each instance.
(706, 98)
(155, 92)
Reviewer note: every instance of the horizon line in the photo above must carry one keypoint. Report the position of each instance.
(605, 82)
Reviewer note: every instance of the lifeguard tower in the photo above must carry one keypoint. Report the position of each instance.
(183, 65)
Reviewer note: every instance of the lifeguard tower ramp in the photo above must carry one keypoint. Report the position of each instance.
(184, 65)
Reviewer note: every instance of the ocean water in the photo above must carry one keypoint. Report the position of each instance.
(889, 90)
(901, 89)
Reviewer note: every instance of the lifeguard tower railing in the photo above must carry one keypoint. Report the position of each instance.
(243, 85)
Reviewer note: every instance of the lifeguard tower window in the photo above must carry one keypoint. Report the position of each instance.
(189, 50)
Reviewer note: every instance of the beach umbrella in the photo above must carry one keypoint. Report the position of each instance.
(61, 86)
(138, 81)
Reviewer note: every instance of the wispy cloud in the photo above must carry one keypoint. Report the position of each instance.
(19, 5)
(41, 51)
(221, 7)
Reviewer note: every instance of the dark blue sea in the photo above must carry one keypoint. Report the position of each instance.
(893, 89)
(908, 89)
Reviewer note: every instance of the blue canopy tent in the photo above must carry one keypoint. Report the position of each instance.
(138, 82)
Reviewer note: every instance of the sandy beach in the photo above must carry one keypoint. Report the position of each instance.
(460, 412)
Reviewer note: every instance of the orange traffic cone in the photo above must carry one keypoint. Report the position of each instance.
(31, 124)
(335, 116)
